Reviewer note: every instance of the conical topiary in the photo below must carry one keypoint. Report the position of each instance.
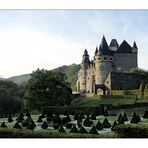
(93, 130)
(87, 122)
(3, 125)
(79, 122)
(56, 125)
(69, 125)
(28, 113)
(99, 125)
(114, 124)
(10, 118)
(17, 126)
(20, 117)
(135, 118)
(83, 130)
(125, 116)
(82, 116)
(74, 129)
(40, 119)
(106, 123)
(61, 129)
(93, 116)
(76, 117)
(121, 120)
(44, 125)
(119, 117)
(57, 119)
(66, 119)
(145, 116)
(31, 125)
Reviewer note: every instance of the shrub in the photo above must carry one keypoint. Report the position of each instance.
(49, 119)
(105, 113)
(44, 125)
(20, 117)
(106, 123)
(10, 118)
(40, 119)
(82, 116)
(76, 117)
(93, 130)
(93, 116)
(57, 119)
(31, 125)
(135, 118)
(87, 122)
(25, 123)
(17, 126)
(66, 119)
(79, 122)
(119, 117)
(69, 125)
(145, 114)
(121, 120)
(74, 129)
(61, 129)
(56, 126)
(125, 116)
(99, 125)
(114, 124)
(42, 115)
(83, 130)
(28, 113)
(3, 125)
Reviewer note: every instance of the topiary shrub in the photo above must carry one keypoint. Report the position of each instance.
(66, 119)
(114, 124)
(69, 125)
(17, 126)
(93, 130)
(74, 129)
(83, 130)
(49, 119)
(82, 116)
(106, 123)
(76, 117)
(24, 123)
(57, 119)
(40, 119)
(125, 116)
(56, 126)
(105, 113)
(20, 117)
(10, 118)
(79, 122)
(87, 122)
(31, 125)
(119, 117)
(145, 116)
(61, 129)
(93, 116)
(121, 120)
(28, 113)
(44, 125)
(3, 125)
(135, 118)
(99, 125)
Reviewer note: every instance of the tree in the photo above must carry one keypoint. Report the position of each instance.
(10, 118)
(119, 117)
(125, 116)
(61, 129)
(17, 126)
(3, 125)
(93, 131)
(46, 88)
(93, 116)
(99, 125)
(114, 124)
(135, 118)
(74, 129)
(106, 123)
(83, 130)
(40, 119)
(44, 125)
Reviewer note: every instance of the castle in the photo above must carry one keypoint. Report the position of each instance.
(106, 71)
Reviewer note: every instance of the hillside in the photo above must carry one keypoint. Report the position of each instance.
(71, 72)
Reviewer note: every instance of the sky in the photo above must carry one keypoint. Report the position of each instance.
(31, 39)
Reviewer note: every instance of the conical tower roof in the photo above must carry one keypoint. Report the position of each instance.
(134, 45)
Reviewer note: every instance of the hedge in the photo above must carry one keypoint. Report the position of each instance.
(131, 131)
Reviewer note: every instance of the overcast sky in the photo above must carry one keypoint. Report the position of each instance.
(31, 39)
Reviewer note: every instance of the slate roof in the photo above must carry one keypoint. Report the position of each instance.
(134, 45)
(124, 48)
(114, 43)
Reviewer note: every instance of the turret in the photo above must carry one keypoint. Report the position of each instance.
(134, 48)
(113, 45)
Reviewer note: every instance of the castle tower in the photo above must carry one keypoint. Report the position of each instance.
(81, 84)
(103, 62)
(135, 52)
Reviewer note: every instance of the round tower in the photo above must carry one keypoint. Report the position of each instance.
(84, 66)
(103, 62)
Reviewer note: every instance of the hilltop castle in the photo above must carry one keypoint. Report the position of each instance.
(106, 71)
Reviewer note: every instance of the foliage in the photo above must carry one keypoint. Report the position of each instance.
(49, 119)
(17, 126)
(47, 88)
(57, 119)
(106, 123)
(61, 129)
(76, 117)
(20, 117)
(119, 117)
(93, 116)
(28, 113)
(31, 125)
(56, 125)
(93, 130)
(44, 125)
(69, 125)
(114, 124)
(135, 118)
(145, 114)
(74, 129)
(87, 122)
(82, 116)
(40, 119)
(10, 118)
(83, 130)
(3, 125)
(125, 116)
(106, 113)
(121, 120)
(99, 125)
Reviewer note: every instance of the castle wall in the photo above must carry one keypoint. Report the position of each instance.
(124, 61)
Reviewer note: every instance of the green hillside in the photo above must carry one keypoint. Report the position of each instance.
(71, 72)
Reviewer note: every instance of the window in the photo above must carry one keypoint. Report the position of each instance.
(105, 58)
(99, 58)
(111, 59)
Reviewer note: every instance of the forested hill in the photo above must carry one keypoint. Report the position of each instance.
(71, 72)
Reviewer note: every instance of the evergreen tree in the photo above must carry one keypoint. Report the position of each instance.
(99, 125)
(82, 116)
(3, 125)
(20, 117)
(114, 124)
(93, 116)
(87, 122)
(66, 119)
(40, 119)
(83, 130)
(57, 119)
(44, 125)
(125, 116)
(135, 118)
(145, 116)
(76, 117)
(69, 125)
(28, 113)
(74, 129)
(121, 120)
(106, 123)
(10, 118)
(31, 125)
(93, 131)
(56, 125)
(119, 117)
(61, 129)
(17, 126)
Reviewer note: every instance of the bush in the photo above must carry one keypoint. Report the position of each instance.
(99, 125)
(76, 117)
(40, 119)
(105, 113)
(79, 122)
(93, 130)
(61, 129)
(125, 116)
(69, 125)
(83, 130)
(66, 119)
(10, 118)
(135, 118)
(114, 124)
(49, 119)
(20, 117)
(44, 125)
(87, 122)
(17, 126)
(119, 117)
(57, 119)
(106, 123)
(3, 125)
(121, 120)
(28, 113)
(31, 125)
(74, 129)
(82, 116)
(93, 116)
(145, 116)
(56, 126)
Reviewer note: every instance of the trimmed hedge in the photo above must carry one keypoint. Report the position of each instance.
(131, 131)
